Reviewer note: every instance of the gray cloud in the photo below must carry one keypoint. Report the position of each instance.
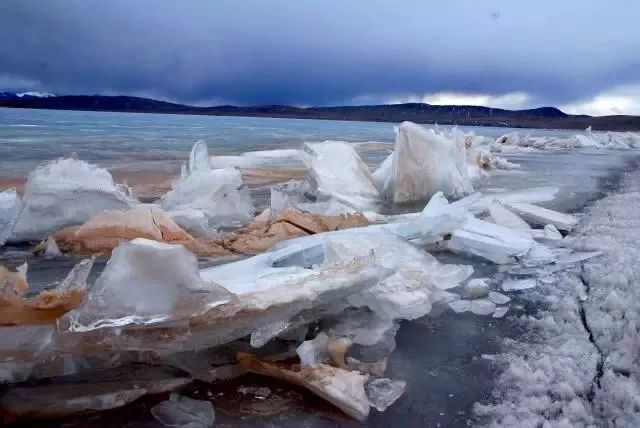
(320, 52)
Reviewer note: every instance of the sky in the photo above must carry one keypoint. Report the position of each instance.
(582, 56)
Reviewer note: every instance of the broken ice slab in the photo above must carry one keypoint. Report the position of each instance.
(425, 162)
(498, 298)
(342, 388)
(577, 257)
(543, 216)
(503, 217)
(184, 412)
(384, 392)
(97, 391)
(511, 284)
(66, 192)
(10, 207)
(501, 312)
(490, 241)
(459, 306)
(482, 307)
(476, 288)
(382, 174)
(314, 351)
(146, 282)
(534, 195)
(336, 171)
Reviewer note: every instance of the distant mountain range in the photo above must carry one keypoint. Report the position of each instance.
(543, 117)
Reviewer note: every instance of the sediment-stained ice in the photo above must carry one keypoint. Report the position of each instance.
(10, 207)
(66, 192)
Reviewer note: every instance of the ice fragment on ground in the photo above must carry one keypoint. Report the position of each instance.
(337, 171)
(498, 298)
(503, 217)
(425, 162)
(51, 248)
(476, 288)
(258, 392)
(490, 241)
(552, 232)
(578, 257)
(540, 215)
(10, 207)
(460, 305)
(384, 392)
(511, 284)
(66, 192)
(314, 351)
(342, 388)
(482, 307)
(184, 412)
(501, 312)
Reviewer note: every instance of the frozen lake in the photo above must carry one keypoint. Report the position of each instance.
(440, 356)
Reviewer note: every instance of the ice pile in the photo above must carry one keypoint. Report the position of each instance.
(66, 192)
(514, 142)
(205, 199)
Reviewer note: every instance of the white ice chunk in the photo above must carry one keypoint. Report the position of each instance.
(10, 207)
(501, 312)
(483, 307)
(503, 217)
(490, 241)
(257, 158)
(540, 215)
(338, 172)
(184, 412)
(498, 298)
(552, 232)
(218, 193)
(460, 305)
(425, 162)
(199, 158)
(146, 282)
(518, 284)
(314, 351)
(66, 192)
(476, 288)
(51, 248)
(383, 392)
(195, 222)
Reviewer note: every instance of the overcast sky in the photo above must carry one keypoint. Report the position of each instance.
(580, 55)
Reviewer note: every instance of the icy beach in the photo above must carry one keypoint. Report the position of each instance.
(338, 273)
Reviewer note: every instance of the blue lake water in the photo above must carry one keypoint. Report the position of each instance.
(162, 141)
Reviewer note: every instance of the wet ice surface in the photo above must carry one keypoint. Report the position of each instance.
(440, 356)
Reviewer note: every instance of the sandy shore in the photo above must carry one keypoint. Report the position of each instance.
(152, 184)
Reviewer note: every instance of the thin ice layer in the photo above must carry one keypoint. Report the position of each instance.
(66, 192)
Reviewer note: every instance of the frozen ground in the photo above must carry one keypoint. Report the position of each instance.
(578, 363)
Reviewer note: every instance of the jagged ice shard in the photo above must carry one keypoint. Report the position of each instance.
(66, 192)
(425, 162)
(10, 207)
(216, 194)
(337, 171)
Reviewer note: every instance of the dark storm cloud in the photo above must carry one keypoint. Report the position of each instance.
(319, 52)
